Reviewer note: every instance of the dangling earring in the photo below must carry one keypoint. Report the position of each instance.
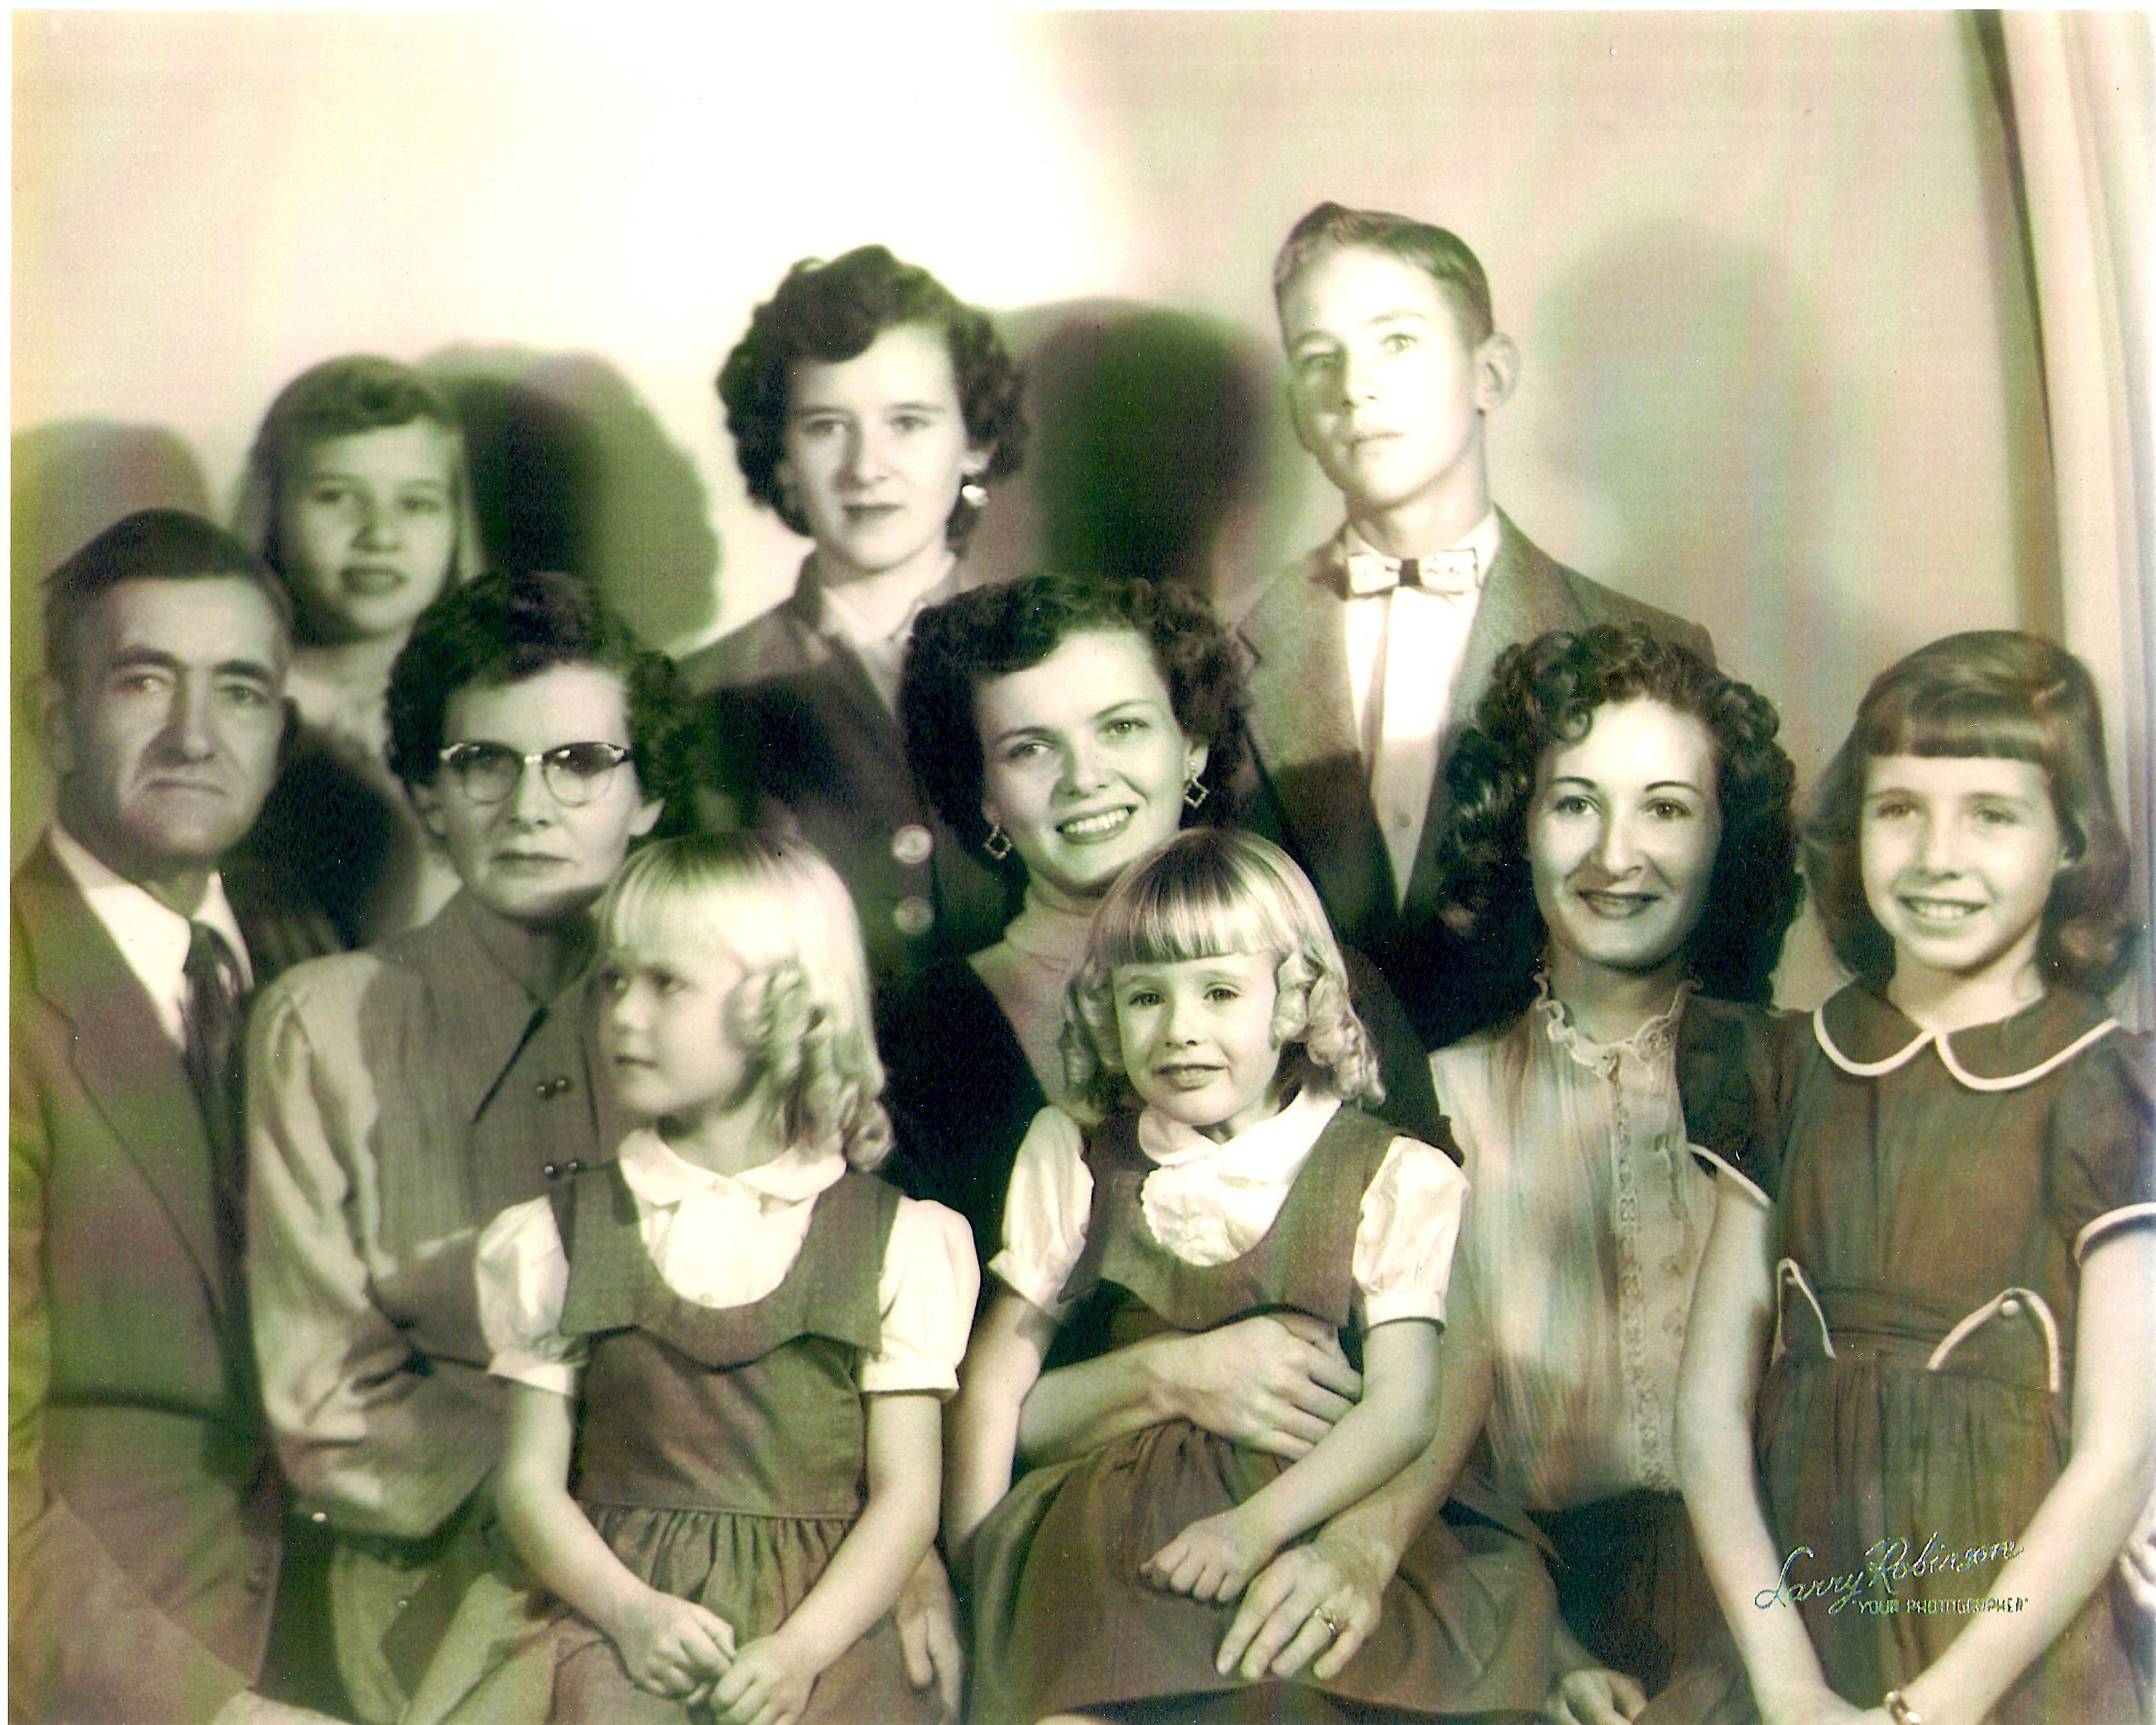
(998, 843)
(1194, 794)
(973, 494)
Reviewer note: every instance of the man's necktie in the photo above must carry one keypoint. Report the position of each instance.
(214, 1014)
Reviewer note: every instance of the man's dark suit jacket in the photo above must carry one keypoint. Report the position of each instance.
(143, 1506)
(1312, 785)
(791, 726)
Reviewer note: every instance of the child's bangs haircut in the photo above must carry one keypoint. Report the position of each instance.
(1206, 893)
(2003, 694)
(1437, 251)
(784, 913)
(341, 398)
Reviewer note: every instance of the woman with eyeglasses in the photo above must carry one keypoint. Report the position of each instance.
(401, 1096)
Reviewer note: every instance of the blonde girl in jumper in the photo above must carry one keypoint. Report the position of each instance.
(729, 1347)
(1223, 1167)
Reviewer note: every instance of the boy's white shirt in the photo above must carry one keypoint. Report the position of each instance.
(1405, 647)
(1209, 1202)
(722, 1240)
(152, 936)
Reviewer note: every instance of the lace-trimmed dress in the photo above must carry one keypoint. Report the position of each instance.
(1586, 1218)
(1140, 1228)
(1932, 1199)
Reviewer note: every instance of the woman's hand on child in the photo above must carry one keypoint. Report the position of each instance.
(927, 1619)
(1823, 1706)
(1272, 1384)
(1592, 1696)
(1213, 1558)
(672, 1647)
(1315, 1601)
(767, 1684)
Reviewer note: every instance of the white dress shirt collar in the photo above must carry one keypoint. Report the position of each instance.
(152, 936)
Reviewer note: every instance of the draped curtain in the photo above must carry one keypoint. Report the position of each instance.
(2078, 92)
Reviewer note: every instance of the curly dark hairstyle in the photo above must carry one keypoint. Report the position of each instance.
(1996, 692)
(995, 631)
(1546, 692)
(830, 312)
(1439, 253)
(503, 628)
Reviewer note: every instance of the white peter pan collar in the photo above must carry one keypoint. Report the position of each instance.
(663, 1178)
(1260, 1155)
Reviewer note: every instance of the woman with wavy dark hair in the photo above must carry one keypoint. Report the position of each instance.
(1068, 728)
(1622, 846)
(870, 410)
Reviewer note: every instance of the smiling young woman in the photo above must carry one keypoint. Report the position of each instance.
(871, 411)
(1622, 837)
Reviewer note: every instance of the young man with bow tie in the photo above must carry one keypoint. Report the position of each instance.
(1368, 655)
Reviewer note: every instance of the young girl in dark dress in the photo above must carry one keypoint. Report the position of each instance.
(1223, 1167)
(728, 1348)
(1937, 1208)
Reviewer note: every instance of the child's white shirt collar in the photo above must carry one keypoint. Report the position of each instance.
(1260, 1155)
(663, 1178)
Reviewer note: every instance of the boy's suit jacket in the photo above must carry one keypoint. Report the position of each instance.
(1312, 788)
(144, 1510)
(792, 727)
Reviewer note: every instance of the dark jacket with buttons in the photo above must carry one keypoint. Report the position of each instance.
(143, 1509)
(792, 734)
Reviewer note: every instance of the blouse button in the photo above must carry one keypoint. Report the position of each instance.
(552, 1170)
(914, 915)
(2010, 1306)
(321, 1519)
(548, 1089)
(911, 843)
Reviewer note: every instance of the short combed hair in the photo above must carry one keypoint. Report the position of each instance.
(1203, 895)
(1989, 692)
(802, 1014)
(992, 632)
(340, 397)
(1545, 693)
(1437, 251)
(831, 312)
(149, 545)
(502, 630)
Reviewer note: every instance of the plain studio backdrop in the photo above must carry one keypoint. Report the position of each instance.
(1771, 275)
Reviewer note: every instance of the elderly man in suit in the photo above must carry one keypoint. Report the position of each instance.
(1368, 657)
(143, 1508)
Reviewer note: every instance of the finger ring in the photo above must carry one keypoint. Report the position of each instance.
(1331, 1626)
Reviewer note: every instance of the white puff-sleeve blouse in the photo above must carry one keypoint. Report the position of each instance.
(721, 1240)
(1208, 1202)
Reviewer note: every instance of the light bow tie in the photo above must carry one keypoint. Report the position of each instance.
(1454, 574)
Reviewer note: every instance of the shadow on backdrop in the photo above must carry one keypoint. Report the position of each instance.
(573, 471)
(1159, 445)
(70, 481)
(1690, 398)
